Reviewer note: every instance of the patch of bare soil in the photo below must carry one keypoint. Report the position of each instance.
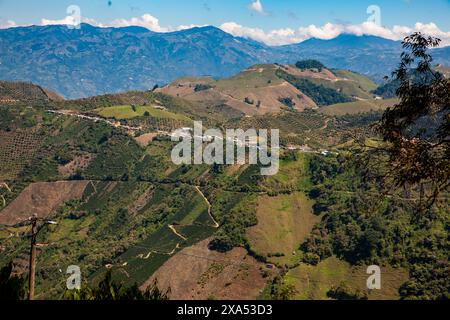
(324, 74)
(146, 138)
(265, 99)
(234, 169)
(41, 198)
(179, 89)
(198, 273)
(79, 163)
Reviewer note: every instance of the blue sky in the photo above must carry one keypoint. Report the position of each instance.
(253, 18)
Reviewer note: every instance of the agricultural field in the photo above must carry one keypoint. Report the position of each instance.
(187, 223)
(17, 149)
(42, 199)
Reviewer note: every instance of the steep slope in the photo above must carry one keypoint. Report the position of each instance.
(270, 88)
(256, 90)
(14, 92)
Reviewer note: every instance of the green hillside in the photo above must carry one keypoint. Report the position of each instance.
(101, 167)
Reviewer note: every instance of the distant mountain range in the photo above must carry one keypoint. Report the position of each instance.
(91, 60)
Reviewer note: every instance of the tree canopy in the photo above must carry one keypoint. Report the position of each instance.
(417, 129)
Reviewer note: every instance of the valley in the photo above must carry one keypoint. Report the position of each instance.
(101, 168)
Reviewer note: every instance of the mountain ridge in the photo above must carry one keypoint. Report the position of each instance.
(92, 60)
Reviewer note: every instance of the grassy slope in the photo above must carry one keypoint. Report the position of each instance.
(283, 223)
(313, 282)
(363, 82)
(248, 79)
(357, 107)
(350, 88)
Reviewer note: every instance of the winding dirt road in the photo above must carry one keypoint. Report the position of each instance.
(216, 224)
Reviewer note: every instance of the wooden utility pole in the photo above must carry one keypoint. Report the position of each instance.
(32, 269)
(35, 229)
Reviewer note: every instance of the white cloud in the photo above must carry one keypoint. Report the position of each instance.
(7, 24)
(257, 7)
(330, 31)
(69, 20)
(272, 37)
(147, 21)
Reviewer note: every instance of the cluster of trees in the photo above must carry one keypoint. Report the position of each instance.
(416, 131)
(202, 87)
(387, 90)
(343, 292)
(310, 64)
(362, 226)
(282, 291)
(287, 101)
(234, 221)
(320, 94)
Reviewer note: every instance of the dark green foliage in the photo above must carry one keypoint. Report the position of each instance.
(114, 160)
(202, 87)
(235, 212)
(363, 226)
(320, 94)
(287, 101)
(12, 287)
(343, 292)
(108, 290)
(317, 247)
(416, 130)
(280, 290)
(247, 100)
(63, 157)
(387, 90)
(310, 64)
(17, 117)
(430, 281)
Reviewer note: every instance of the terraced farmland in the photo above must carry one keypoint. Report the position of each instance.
(17, 149)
